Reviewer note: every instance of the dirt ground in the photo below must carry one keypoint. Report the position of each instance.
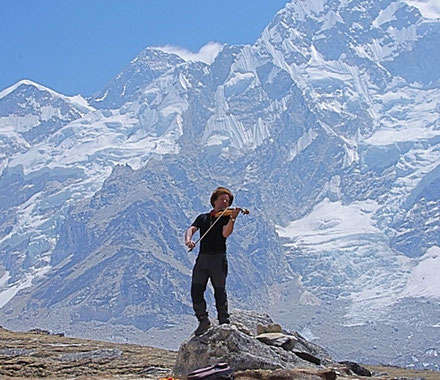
(39, 354)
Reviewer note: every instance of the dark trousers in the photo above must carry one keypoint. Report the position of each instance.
(214, 267)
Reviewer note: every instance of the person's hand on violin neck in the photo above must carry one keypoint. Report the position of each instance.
(234, 212)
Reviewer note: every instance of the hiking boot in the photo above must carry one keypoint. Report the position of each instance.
(223, 316)
(204, 325)
(224, 321)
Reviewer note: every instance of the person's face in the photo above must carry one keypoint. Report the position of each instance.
(221, 202)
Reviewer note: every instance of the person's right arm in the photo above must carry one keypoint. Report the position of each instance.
(188, 237)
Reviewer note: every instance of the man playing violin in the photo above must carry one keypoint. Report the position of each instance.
(211, 263)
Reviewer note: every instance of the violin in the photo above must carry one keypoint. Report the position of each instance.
(229, 211)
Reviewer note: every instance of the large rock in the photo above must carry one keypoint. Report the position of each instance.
(239, 345)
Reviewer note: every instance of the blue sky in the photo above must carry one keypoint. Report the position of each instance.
(77, 46)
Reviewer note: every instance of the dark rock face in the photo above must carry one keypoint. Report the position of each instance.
(357, 369)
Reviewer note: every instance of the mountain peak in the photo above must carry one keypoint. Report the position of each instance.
(25, 82)
(30, 112)
(76, 100)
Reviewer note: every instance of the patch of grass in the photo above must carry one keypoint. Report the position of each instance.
(394, 372)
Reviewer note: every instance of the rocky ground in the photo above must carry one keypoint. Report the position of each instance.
(40, 354)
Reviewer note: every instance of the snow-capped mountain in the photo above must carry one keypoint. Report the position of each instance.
(327, 128)
(150, 64)
(30, 112)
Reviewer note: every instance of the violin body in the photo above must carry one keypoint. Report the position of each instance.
(229, 211)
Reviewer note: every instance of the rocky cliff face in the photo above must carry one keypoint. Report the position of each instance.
(326, 128)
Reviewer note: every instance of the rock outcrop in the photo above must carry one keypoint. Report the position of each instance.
(40, 353)
(251, 341)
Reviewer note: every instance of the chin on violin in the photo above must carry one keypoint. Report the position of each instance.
(230, 211)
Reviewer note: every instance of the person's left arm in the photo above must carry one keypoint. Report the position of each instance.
(228, 228)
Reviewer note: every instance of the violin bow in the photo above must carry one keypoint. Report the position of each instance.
(209, 229)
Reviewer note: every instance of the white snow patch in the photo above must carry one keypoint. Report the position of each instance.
(428, 8)
(12, 124)
(424, 277)
(330, 221)
(102, 97)
(4, 279)
(238, 84)
(216, 140)
(387, 136)
(230, 126)
(82, 142)
(7, 294)
(184, 82)
(238, 77)
(354, 257)
(387, 14)
(302, 143)
(409, 115)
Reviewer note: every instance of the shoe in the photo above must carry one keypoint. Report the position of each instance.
(225, 321)
(204, 325)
